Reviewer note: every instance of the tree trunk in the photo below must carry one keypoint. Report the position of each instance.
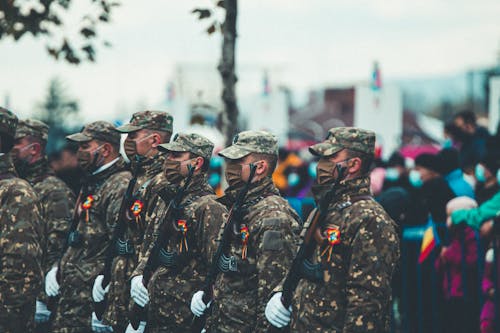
(227, 71)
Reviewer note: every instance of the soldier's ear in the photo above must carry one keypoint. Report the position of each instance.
(156, 140)
(262, 168)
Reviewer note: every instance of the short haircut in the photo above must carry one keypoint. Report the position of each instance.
(165, 136)
(206, 163)
(115, 146)
(34, 139)
(467, 116)
(272, 161)
(366, 160)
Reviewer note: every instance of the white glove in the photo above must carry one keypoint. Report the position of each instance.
(140, 329)
(198, 307)
(98, 292)
(138, 291)
(276, 313)
(42, 314)
(98, 326)
(51, 284)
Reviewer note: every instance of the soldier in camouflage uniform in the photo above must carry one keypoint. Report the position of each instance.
(358, 246)
(56, 200)
(20, 231)
(184, 261)
(145, 132)
(97, 211)
(262, 247)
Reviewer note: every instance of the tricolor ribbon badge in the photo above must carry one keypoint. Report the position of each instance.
(86, 205)
(136, 209)
(244, 234)
(183, 229)
(333, 238)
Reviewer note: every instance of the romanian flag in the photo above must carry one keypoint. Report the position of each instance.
(429, 242)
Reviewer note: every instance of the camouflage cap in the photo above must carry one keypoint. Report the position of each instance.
(351, 138)
(33, 128)
(152, 120)
(248, 142)
(190, 142)
(8, 122)
(98, 130)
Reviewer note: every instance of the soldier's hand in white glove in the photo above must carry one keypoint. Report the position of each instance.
(138, 291)
(276, 313)
(51, 284)
(98, 292)
(42, 314)
(198, 307)
(140, 329)
(98, 326)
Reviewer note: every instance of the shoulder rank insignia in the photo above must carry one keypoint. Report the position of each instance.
(183, 229)
(244, 234)
(86, 205)
(333, 238)
(136, 210)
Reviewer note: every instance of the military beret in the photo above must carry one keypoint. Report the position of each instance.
(191, 142)
(248, 142)
(8, 122)
(351, 138)
(152, 120)
(32, 127)
(98, 130)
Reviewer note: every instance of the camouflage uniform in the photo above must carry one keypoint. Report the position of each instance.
(84, 260)
(56, 200)
(172, 284)
(20, 251)
(241, 295)
(123, 266)
(355, 292)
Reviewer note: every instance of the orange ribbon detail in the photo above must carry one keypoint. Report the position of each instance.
(245, 234)
(86, 205)
(183, 229)
(333, 238)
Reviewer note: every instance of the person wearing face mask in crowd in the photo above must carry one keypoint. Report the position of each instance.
(395, 172)
(429, 187)
(145, 132)
(56, 200)
(96, 211)
(193, 227)
(356, 250)
(487, 176)
(263, 247)
(449, 164)
(20, 233)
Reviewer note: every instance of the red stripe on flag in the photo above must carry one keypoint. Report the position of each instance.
(424, 252)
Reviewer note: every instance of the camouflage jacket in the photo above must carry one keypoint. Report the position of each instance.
(118, 296)
(173, 283)
(20, 250)
(102, 194)
(355, 292)
(241, 295)
(56, 202)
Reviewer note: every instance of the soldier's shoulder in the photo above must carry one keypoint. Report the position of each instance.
(52, 184)
(372, 216)
(275, 207)
(209, 201)
(17, 187)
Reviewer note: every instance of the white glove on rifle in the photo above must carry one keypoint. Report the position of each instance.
(98, 292)
(140, 329)
(198, 307)
(42, 314)
(138, 291)
(51, 284)
(98, 326)
(276, 313)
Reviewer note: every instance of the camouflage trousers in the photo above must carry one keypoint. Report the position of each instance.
(74, 310)
(17, 319)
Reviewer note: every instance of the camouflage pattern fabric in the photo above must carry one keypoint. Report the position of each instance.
(191, 142)
(8, 122)
(247, 142)
(241, 296)
(351, 138)
(98, 130)
(56, 203)
(171, 288)
(355, 294)
(34, 128)
(123, 266)
(152, 120)
(20, 251)
(81, 264)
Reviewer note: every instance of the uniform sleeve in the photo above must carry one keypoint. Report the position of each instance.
(58, 213)
(375, 251)
(475, 217)
(212, 217)
(20, 251)
(276, 244)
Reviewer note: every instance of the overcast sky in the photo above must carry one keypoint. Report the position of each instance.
(311, 42)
